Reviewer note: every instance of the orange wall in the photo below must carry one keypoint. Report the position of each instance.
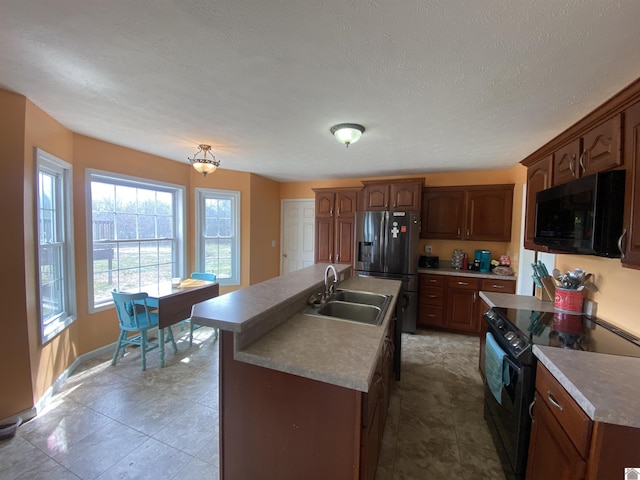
(29, 368)
(15, 364)
(264, 232)
(50, 360)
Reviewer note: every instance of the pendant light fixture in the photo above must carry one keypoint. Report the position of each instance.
(347, 133)
(207, 162)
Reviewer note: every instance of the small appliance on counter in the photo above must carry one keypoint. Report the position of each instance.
(429, 261)
(483, 258)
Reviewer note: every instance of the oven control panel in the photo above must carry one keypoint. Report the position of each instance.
(511, 337)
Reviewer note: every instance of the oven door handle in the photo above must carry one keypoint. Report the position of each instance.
(514, 365)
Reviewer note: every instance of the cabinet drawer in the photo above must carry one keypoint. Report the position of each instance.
(430, 316)
(498, 285)
(432, 296)
(565, 409)
(464, 282)
(432, 280)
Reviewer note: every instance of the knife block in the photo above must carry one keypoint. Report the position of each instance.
(547, 293)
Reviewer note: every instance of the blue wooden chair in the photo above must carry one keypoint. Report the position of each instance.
(135, 315)
(211, 277)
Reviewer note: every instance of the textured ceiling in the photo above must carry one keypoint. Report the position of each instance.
(439, 85)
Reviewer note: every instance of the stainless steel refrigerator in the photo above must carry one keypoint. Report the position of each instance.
(387, 246)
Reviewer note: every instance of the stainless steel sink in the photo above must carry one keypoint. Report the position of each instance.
(365, 298)
(353, 306)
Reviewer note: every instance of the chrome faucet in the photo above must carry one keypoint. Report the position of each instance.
(329, 288)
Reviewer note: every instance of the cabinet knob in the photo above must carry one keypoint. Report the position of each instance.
(331, 212)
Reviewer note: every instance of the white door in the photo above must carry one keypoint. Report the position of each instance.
(298, 228)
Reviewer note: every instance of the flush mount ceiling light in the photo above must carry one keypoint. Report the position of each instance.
(347, 133)
(206, 163)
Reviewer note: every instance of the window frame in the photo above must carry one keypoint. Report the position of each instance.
(202, 194)
(179, 205)
(63, 172)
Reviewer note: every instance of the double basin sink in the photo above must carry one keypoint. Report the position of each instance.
(353, 306)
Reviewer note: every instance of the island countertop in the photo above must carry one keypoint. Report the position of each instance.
(271, 331)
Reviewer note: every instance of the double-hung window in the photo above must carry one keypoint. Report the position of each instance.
(218, 234)
(136, 236)
(56, 275)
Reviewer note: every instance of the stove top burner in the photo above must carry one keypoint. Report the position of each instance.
(520, 329)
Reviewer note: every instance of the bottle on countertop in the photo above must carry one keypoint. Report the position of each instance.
(465, 262)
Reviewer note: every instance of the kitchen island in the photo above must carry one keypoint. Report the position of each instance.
(300, 396)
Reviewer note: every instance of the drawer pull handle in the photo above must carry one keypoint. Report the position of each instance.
(432, 296)
(433, 280)
(463, 283)
(554, 402)
(497, 286)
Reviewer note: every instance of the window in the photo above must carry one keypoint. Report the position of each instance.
(56, 289)
(218, 234)
(137, 234)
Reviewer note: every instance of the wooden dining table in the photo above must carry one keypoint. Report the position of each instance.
(174, 302)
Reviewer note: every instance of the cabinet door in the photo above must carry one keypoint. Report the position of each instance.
(631, 239)
(344, 240)
(566, 163)
(442, 213)
(551, 453)
(376, 197)
(346, 203)
(462, 299)
(601, 147)
(538, 179)
(461, 310)
(489, 214)
(324, 240)
(325, 203)
(405, 196)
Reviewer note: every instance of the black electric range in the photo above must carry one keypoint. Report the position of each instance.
(516, 331)
(520, 329)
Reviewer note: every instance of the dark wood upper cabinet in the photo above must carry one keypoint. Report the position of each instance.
(443, 211)
(630, 242)
(489, 214)
(565, 163)
(335, 224)
(474, 212)
(597, 150)
(384, 195)
(538, 178)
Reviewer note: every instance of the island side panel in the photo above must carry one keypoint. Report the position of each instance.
(277, 425)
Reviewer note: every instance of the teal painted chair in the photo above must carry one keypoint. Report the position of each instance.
(134, 316)
(210, 277)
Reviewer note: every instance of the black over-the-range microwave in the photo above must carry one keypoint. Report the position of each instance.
(582, 216)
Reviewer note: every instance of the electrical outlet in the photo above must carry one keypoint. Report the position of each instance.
(427, 249)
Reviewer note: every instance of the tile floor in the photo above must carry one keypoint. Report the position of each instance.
(121, 423)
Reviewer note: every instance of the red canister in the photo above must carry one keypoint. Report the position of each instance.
(568, 300)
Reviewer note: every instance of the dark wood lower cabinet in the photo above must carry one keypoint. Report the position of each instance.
(566, 445)
(552, 455)
(452, 302)
(278, 425)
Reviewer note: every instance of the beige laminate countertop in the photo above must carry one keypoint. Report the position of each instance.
(270, 331)
(509, 300)
(455, 272)
(606, 387)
